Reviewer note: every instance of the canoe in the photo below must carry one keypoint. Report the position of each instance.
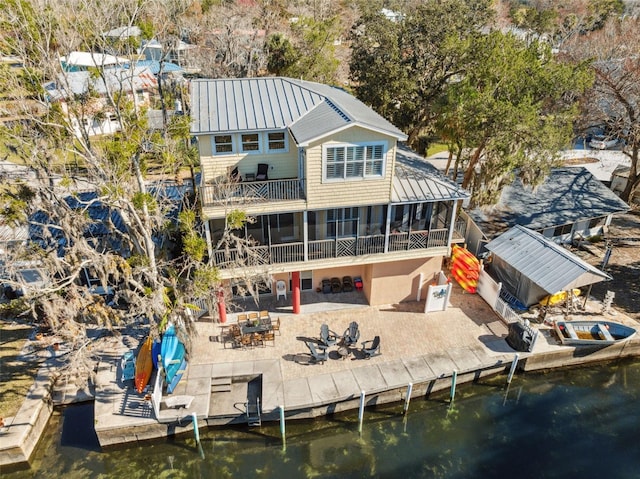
(169, 345)
(174, 365)
(178, 375)
(144, 365)
(603, 333)
(557, 298)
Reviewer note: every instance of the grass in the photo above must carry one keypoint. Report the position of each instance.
(17, 373)
(436, 148)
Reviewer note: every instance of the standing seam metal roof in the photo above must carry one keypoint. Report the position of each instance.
(544, 262)
(310, 110)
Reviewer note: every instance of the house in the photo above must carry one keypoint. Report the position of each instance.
(532, 267)
(619, 178)
(333, 191)
(570, 204)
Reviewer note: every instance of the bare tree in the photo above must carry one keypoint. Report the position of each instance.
(614, 101)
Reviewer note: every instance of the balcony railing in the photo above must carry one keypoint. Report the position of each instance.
(251, 192)
(331, 248)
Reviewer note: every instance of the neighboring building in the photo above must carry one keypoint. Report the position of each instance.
(339, 196)
(619, 179)
(570, 204)
(179, 53)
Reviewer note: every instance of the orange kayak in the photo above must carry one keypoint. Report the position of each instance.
(144, 365)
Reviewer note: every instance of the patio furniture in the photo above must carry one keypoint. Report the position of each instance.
(344, 352)
(242, 317)
(281, 289)
(257, 338)
(326, 286)
(371, 348)
(351, 334)
(347, 284)
(276, 326)
(357, 282)
(263, 314)
(336, 285)
(328, 337)
(245, 341)
(269, 336)
(263, 170)
(318, 352)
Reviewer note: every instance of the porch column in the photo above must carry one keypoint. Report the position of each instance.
(295, 291)
(452, 224)
(222, 307)
(207, 236)
(387, 229)
(305, 235)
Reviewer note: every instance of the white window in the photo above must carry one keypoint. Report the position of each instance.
(354, 161)
(222, 144)
(277, 141)
(250, 142)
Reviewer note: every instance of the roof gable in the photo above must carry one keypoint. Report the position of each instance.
(310, 110)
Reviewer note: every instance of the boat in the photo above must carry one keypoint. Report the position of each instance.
(465, 268)
(173, 366)
(603, 333)
(178, 375)
(144, 365)
(169, 345)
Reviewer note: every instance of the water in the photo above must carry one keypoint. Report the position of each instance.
(579, 422)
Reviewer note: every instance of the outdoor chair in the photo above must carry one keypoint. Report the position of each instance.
(281, 289)
(336, 285)
(262, 174)
(371, 348)
(269, 336)
(275, 326)
(319, 352)
(328, 337)
(351, 335)
(257, 338)
(347, 284)
(326, 286)
(245, 341)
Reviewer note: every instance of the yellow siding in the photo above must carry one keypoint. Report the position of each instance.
(347, 193)
(282, 165)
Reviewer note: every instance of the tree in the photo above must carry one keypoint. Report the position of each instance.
(614, 100)
(84, 183)
(403, 68)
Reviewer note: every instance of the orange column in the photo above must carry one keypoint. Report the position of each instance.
(222, 307)
(295, 291)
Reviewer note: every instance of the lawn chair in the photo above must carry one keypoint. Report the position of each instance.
(351, 335)
(371, 348)
(319, 354)
(326, 286)
(347, 284)
(262, 174)
(328, 337)
(336, 285)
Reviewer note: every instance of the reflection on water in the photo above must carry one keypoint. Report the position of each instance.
(557, 425)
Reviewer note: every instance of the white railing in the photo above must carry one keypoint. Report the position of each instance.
(250, 192)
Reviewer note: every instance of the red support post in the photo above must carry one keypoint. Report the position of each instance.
(295, 291)
(222, 307)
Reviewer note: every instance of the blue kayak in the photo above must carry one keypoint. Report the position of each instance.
(169, 346)
(176, 379)
(173, 366)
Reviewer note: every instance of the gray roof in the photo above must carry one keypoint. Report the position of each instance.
(416, 179)
(544, 262)
(566, 196)
(309, 110)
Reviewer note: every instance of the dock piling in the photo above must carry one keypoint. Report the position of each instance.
(454, 377)
(282, 428)
(361, 412)
(407, 399)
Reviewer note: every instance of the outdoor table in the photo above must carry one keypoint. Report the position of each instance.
(249, 328)
(344, 352)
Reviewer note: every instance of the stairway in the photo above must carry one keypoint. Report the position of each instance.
(220, 385)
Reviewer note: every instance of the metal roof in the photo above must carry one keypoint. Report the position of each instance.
(416, 179)
(566, 196)
(547, 264)
(310, 110)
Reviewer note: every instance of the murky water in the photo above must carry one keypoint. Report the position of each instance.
(576, 423)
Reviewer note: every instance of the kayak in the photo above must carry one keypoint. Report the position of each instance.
(174, 365)
(169, 346)
(144, 365)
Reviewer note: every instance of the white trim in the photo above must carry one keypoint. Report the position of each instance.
(258, 142)
(285, 135)
(364, 176)
(223, 153)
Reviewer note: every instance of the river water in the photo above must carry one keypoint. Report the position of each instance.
(574, 423)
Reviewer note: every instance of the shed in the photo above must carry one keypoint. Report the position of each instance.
(531, 267)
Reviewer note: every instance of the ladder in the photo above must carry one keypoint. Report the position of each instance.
(253, 413)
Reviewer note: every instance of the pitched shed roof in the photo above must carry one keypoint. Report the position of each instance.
(416, 179)
(547, 264)
(566, 196)
(309, 110)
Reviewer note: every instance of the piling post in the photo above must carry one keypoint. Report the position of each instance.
(282, 428)
(361, 412)
(514, 364)
(407, 399)
(454, 377)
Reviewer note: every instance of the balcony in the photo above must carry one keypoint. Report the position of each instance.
(251, 192)
(331, 249)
